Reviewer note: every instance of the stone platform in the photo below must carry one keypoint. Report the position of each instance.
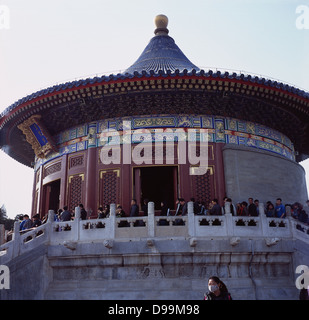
(256, 260)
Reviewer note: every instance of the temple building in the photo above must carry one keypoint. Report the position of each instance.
(142, 134)
(257, 132)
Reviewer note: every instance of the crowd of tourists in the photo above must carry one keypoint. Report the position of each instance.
(251, 208)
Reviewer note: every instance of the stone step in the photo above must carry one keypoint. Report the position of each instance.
(170, 289)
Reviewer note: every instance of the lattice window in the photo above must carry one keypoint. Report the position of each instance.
(76, 161)
(51, 169)
(75, 191)
(203, 187)
(109, 187)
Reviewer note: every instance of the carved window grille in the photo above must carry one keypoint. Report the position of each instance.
(51, 169)
(203, 186)
(75, 191)
(109, 186)
(76, 161)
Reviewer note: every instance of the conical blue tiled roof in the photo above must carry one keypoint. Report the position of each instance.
(161, 53)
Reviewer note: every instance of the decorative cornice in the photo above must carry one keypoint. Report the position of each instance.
(83, 96)
(108, 82)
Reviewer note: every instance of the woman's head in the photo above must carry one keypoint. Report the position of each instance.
(214, 284)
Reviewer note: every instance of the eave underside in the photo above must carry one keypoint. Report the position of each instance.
(80, 108)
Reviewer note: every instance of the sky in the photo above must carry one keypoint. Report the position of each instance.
(43, 43)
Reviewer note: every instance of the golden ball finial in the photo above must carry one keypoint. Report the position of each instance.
(161, 22)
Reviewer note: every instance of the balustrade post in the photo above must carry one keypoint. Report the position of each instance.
(227, 207)
(191, 222)
(151, 219)
(50, 220)
(263, 219)
(16, 239)
(261, 209)
(229, 224)
(16, 233)
(112, 221)
(76, 224)
(288, 211)
(290, 225)
(228, 219)
(51, 216)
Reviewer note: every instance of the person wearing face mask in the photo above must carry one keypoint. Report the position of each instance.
(217, 290)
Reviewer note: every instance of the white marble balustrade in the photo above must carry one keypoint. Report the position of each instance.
(192, 226)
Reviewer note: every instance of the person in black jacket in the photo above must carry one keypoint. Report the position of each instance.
(134, 212)
(66, 214)
(83, 212)
(217, 290)
(164, 212)
(36, 220)
(216, 209)
(304, 294)
(252, 211)
(145, 207)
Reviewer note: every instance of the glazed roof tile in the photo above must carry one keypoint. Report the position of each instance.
(161, 58)
(152, 73)
(163, 54)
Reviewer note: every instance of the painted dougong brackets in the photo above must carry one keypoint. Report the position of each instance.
(38, 136)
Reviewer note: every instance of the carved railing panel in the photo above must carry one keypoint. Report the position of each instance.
(70, 233)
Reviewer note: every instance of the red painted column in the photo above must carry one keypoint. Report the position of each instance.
(137, 187)
(64, 181)
(219, 171)
(90, 181)
(126, 189)
(33, 207)
(41, 195)
(176, 184)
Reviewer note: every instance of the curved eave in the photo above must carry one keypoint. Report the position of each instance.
(79, 84)
(64, 96)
